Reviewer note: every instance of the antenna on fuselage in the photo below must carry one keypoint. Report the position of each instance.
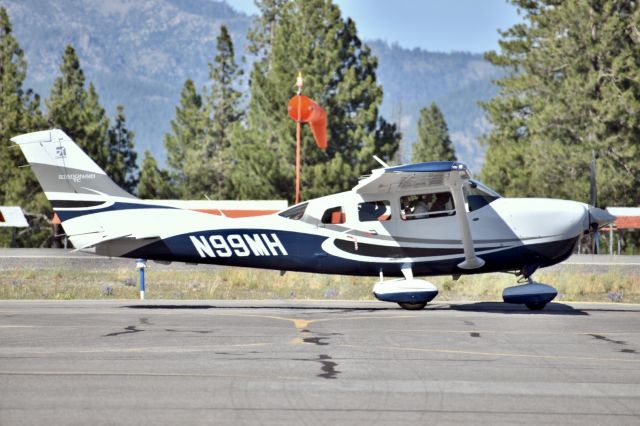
(382, 163)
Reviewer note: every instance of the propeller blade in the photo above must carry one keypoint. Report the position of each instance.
(593, 195)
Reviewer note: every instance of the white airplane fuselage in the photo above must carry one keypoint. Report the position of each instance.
(421, 219)
(507, 233)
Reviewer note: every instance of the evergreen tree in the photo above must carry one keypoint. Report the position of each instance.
(121, 158)
(573, 86)
(433, 142)
(263, 31)
(206, 162)
(340, 75)
(188, 130)
(154, 183)
(19, 113)
(77, 111)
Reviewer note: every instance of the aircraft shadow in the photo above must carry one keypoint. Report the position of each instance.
(489, 307)
(508, 308)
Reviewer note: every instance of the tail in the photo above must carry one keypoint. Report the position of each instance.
(67, 175)
(74, 184)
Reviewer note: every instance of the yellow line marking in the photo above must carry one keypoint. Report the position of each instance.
(498, 354)
(298, 323)
(301, 324)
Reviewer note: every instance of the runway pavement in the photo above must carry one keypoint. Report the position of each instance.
(308, 363)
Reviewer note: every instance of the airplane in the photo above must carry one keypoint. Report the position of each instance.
(423, 219)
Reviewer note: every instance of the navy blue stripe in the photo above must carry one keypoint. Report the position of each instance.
(305, 254)
(73, 204)
(428, 167)
(70, 214)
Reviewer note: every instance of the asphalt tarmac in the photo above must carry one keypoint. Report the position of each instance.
(317, 363)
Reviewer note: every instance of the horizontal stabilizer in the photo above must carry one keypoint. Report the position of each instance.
(104, 238)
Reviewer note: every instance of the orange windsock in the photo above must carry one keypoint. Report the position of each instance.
(318, 123)
(300, 108)
(304, 110)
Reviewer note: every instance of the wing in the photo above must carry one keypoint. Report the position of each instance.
(423, 176)
(412, 177)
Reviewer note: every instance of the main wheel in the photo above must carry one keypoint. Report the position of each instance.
(412, 306)
(536, 306)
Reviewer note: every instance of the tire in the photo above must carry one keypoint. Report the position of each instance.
(536, 306)
(412, 306)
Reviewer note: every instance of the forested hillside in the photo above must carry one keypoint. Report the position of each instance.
(140, 53)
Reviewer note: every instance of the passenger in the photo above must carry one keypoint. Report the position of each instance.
(419, 210)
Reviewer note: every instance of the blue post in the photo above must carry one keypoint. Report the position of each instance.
(141, 264)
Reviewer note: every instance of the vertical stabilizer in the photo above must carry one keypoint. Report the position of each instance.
(64, 171)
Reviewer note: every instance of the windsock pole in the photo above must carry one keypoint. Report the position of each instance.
(298, 137)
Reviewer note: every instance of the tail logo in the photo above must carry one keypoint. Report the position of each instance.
(61, 152)
(77, 177)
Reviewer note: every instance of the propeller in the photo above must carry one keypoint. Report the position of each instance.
(593, 191)
(593, 200)
(597, 217)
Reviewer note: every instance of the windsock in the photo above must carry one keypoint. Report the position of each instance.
(304, 110)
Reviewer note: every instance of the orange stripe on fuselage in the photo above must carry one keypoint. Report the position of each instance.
(236, 213)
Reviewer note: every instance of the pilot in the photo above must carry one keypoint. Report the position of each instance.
(441, 203)
(419, 209)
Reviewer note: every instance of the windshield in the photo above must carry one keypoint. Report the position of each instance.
(296, 212)
(478, 195)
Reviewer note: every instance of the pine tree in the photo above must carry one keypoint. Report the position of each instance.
(95, 128)
(339, 71)
(77, 111)
(433, 142)
(154, 183)
(19, 113)
(572, 86)
(188, 131)
(207, 162)
(121, 158)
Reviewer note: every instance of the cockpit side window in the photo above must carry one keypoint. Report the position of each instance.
(372, 211)
(478, 195)
(334, 215)
(427, 206)
(296, 212)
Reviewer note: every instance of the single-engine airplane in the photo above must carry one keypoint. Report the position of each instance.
(411, 220)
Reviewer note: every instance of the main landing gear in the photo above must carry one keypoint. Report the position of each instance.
(410, 293)
(413, 294)
(533, 295)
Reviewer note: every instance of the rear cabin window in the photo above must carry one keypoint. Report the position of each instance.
(334, 215)
(296, 212)
(374, 211)
(425, 206)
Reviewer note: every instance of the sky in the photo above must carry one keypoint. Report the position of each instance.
(434, 25)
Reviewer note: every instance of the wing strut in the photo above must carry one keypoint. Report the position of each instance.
(471, 261)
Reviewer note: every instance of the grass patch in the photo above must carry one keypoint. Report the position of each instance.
(573, 284)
